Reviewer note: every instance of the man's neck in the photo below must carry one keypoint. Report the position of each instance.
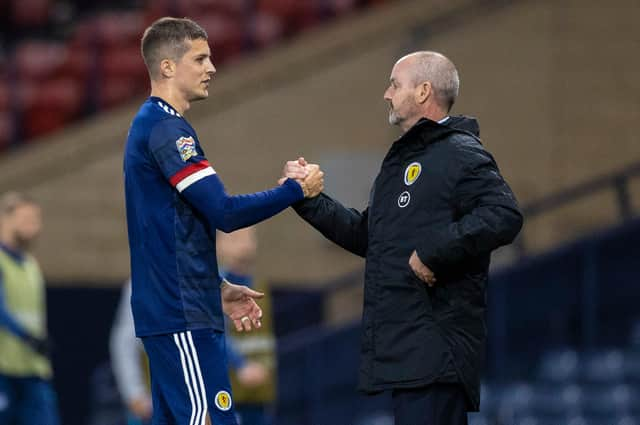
(171, 96)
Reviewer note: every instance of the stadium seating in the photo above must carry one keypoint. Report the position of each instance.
(73, 70)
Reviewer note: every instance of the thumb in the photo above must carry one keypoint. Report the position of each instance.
(302, 161)
(281, 180)
(251, 293)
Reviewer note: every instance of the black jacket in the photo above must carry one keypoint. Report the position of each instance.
(438, 192)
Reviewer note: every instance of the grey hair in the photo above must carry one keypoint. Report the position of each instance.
(440, 72)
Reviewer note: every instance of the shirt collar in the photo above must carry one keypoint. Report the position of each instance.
(165, 106)
(16, 255)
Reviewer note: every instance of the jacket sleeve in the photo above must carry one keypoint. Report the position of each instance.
(488, 212)
(346, 227)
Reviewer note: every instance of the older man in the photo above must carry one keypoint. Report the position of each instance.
(437, 209)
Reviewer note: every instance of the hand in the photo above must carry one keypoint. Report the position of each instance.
(313, 184)
(141, 407)
(238, 303)
(294, 170)
(253, 374)
(422, 271)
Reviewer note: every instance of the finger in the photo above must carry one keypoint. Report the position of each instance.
(257, 323)
(251, 293)
(302, 161)
(297, 172)
(282, 180)
(238, 325)
(246, 323)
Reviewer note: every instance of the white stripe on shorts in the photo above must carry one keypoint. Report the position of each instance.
(199, 414)
(203, 390)
(186, 377)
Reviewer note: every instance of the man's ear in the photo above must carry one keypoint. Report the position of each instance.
(424, 91)
(167, 68)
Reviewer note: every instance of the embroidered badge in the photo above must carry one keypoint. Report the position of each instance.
(223, 401)
(412, 173)
(186, 147)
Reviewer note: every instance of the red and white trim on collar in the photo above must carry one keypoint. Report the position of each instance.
(191, 174)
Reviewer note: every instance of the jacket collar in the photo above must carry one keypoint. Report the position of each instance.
(429, 131)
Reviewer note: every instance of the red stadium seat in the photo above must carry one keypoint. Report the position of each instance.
(110, 29)
(196, 8)
(6, 128)
(30, 13)
(48, 105)
(156, 9)
(341, 7)
(5, 95)
(265, 30)
(226, 36)
(39, 59)
(117, 90)
(124, 61)
(296, 14)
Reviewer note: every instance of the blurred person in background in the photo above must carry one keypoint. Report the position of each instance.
(437, 210)
(175, 202)
(252, 356)
(26, 394)
(129, 363)
(131, 368)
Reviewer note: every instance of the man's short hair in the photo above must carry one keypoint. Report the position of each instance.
(9, 201)
(167, 38)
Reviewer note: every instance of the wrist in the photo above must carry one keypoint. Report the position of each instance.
(297, 186)
(305, 188)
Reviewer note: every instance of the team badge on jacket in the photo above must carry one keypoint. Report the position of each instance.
(223, 401)
(412, 172)
(186, 147)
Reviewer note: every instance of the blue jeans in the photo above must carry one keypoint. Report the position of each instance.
(27, 401)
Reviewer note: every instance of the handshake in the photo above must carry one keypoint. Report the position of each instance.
(308, 176)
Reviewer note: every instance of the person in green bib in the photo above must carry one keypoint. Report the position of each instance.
(26, 394)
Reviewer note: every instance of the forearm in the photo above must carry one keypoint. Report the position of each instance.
(229, 213)
(126, 362)
(343, 226)
(475, 235)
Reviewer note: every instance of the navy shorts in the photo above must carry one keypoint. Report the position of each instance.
(189, 378)
(28, 400)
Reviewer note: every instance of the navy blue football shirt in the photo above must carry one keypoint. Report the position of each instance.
(175, 202)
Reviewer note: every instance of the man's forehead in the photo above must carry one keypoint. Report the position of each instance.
(199, 46)
(399, 69)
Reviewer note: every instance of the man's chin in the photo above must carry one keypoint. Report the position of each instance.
(200, 96)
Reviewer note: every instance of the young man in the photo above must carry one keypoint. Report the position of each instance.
(26, 394)
(175, 202)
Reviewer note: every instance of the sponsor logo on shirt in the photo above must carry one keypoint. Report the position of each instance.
(186, 147)
(412, 172)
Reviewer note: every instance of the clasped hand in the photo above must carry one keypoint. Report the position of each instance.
(309, 176)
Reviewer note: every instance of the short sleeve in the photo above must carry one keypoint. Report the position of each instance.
(177, 152)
